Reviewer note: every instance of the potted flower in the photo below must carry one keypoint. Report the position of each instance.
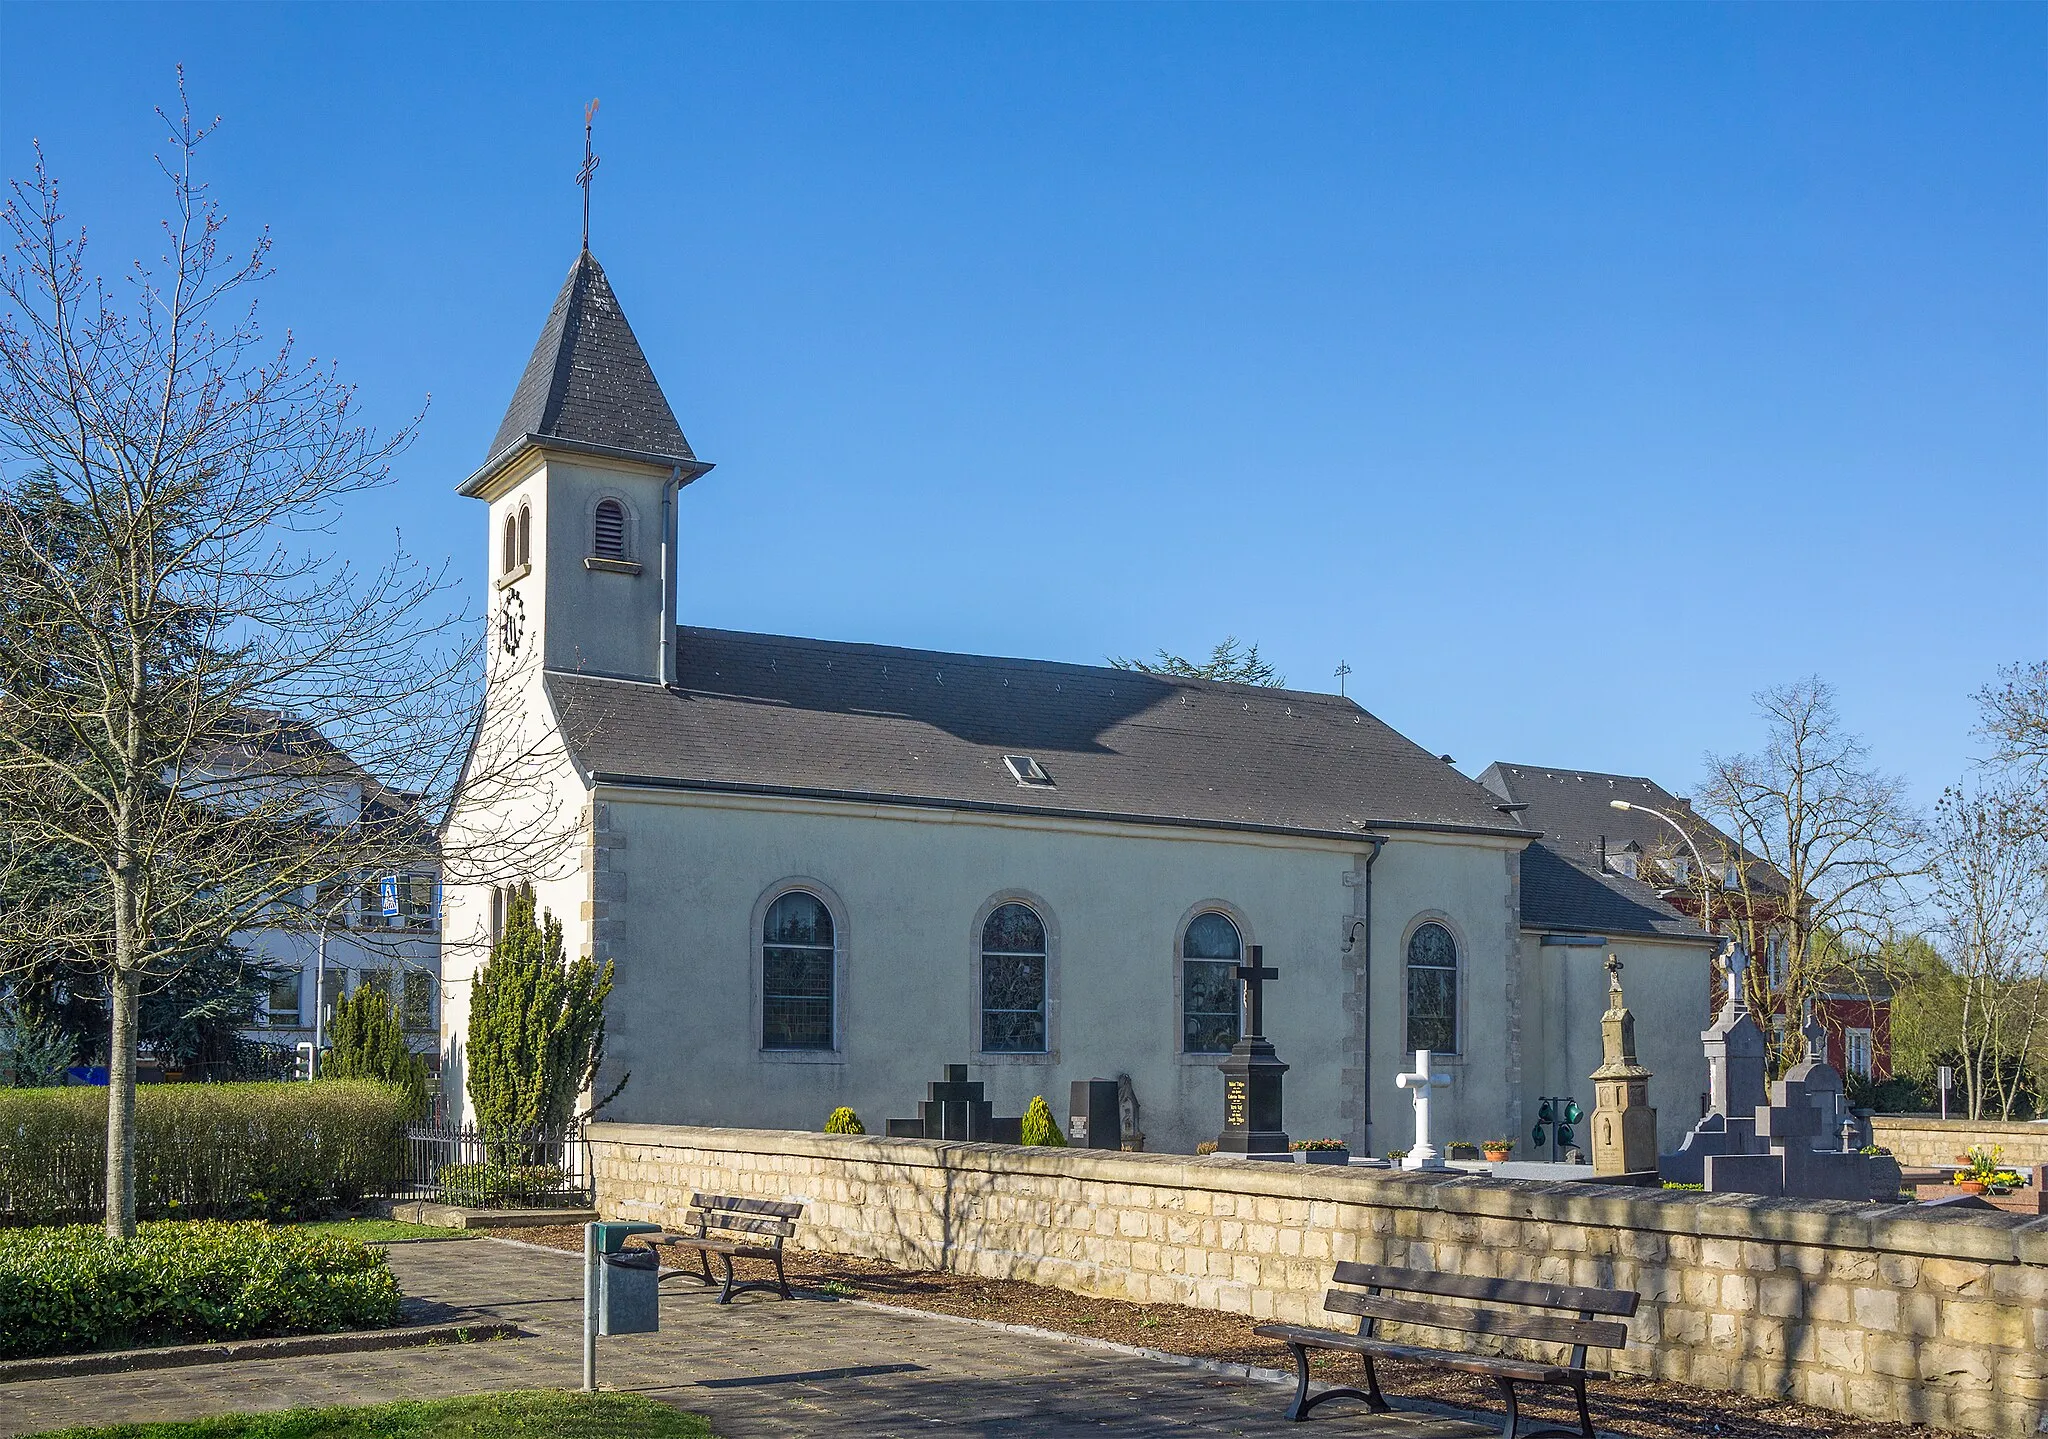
(1320, 1151)
(1985, 1172)
(1497, 1150)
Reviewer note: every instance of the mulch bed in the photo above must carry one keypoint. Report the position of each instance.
(1651, 1409)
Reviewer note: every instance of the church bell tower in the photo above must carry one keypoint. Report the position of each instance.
(582, 482)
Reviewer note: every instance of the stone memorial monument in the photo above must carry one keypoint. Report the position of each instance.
(1252, 1121)
(1624, 1124)
(1803, 1127)
(1423, 1154)
(953, 1108)
(1736, 1060)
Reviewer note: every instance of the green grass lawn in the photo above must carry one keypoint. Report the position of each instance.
(383, 1231)
(539, 1414)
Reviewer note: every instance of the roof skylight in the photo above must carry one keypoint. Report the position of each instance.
(1028, 770)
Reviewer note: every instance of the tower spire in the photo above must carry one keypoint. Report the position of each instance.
(588, 170)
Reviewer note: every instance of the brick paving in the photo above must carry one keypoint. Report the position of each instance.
(758, 1366)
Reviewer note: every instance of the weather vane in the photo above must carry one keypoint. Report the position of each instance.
(1343, 669)
(583, 176)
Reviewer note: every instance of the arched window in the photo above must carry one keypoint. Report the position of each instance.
(1210, 951)
(608, 531)
(1013, 981)
(1433, 989)
(525, 535)
(797, 957)
(511, 545)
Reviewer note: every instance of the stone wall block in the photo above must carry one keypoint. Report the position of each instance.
(1938, 1318)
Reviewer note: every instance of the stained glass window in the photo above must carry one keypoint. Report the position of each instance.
(796, 974)
(1013, 981)
(1210, 951)
(1433, 990)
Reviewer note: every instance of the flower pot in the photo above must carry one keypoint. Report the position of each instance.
(1322, 1156)
(1497, 1156)
(1970, 1186)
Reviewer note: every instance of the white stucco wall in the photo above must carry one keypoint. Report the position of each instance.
(1666, 987)
(908, 887)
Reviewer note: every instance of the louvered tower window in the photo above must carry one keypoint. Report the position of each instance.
(609, 539)
(511, 545)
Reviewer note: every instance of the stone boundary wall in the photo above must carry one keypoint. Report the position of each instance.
(1886, 1312)
(1922, 1139)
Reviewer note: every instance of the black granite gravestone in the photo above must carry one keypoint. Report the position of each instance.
(1252, 1121)
(953, 1108)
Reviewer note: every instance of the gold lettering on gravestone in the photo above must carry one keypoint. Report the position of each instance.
(1234, 1102)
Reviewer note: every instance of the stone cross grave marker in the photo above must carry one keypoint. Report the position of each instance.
(1423, 1155)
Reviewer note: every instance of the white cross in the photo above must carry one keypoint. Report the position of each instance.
(1424, 1155)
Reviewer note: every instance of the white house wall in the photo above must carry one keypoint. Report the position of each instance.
(909, 888)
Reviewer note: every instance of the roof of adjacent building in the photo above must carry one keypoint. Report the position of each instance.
(1564, 883)
(1562, 894)
(775, 715)
(588, 381)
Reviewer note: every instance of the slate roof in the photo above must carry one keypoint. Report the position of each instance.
(1563, 884)
(769, 714)
(588, 381)
(1562, 894)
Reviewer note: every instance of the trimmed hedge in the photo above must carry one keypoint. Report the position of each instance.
(72, 1290)
(203, 1150)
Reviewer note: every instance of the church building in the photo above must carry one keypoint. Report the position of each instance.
(824, 871)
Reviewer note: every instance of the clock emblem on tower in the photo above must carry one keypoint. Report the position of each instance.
(511, 621)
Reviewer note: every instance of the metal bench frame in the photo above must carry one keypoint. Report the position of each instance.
(774, 1219)
(1376, 1304)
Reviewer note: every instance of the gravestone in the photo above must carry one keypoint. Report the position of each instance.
(1422, 1154)
(954, 1108)
(1736, 1063)
(1802, 1125)
(1252, 1122)
(1092, 1118)
(1624, 1124)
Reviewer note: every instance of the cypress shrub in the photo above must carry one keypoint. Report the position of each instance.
(369, 1043)
(1039, 1127)
(72, 1289)
(203, 1150)
(844, 1121)
(536, 1026)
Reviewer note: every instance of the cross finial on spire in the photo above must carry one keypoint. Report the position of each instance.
(589, 169)
(1343, 669)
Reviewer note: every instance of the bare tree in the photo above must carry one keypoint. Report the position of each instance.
(2013, 715)
(196, 695)
(1824, 844)
(1990, 894)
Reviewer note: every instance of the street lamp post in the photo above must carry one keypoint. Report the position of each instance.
(320, 978)
(1706, 883)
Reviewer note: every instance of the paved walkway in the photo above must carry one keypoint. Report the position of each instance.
(758, 1366)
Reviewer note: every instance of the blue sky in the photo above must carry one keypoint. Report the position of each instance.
(1570, 372)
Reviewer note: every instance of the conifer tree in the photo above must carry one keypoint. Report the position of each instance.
(536, 1026)
(1039, 1126)
(369, 1043)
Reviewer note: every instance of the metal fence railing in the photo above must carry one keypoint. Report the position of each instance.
(460, 1164)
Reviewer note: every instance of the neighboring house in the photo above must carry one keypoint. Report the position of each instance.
(378, 928)
(825, 870)
(1634, 850)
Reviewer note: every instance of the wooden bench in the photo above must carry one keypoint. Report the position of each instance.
(1383, 1302)
(734, 1228)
